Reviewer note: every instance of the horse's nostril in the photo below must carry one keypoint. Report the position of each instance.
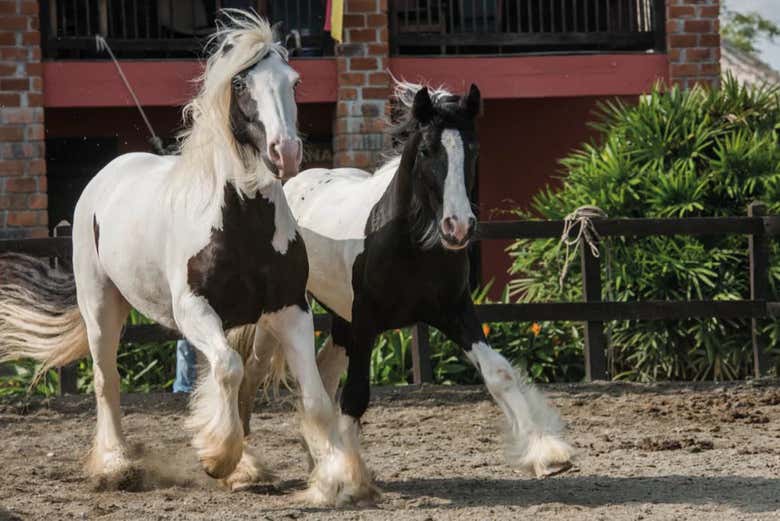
(273, 151)
(448, 225)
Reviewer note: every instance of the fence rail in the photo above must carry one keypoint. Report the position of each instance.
(758, 226)
(523, 26)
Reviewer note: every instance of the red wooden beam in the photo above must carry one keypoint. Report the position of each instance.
(539, 76)
(169, 83)
(158, 83)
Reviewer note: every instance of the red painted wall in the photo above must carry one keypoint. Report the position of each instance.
(521, 141)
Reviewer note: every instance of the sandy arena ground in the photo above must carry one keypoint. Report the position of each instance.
(667, 452)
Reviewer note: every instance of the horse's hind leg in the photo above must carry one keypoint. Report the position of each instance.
(257, 368)
(104, 311)
(332, 362)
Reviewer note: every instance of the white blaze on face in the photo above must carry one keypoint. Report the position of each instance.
(456, 212)
(272, 88)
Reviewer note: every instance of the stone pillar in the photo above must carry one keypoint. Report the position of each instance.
(363, 85)
(23, 200)
(693, 42)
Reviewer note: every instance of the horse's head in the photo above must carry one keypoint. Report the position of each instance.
(445, 162)
(263, 113)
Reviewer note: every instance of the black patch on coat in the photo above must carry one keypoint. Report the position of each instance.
(96, 232)
(239, 272)
(395, 282)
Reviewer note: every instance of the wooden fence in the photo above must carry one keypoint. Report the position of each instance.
(758, 226)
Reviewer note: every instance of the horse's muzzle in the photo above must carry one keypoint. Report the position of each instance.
(286, 155)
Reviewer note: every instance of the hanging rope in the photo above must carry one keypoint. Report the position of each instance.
(155, 141)
(582, 217)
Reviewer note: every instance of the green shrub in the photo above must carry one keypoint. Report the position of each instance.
(674, 154)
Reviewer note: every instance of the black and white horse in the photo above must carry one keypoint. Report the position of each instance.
(197, 242)
(388, 250)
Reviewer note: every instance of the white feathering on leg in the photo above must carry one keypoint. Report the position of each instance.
(534, 436)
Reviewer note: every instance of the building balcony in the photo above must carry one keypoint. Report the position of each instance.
(167, 29)
(177, 29)
(499, 27)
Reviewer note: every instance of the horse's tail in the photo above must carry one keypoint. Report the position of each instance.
(39, 317)
(270, 364)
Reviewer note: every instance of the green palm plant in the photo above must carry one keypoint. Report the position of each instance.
(674, 154)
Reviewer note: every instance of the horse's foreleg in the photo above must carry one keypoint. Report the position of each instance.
(535, 442)
(332, 481)
(332, 358)
(214, 407)
(104, 311)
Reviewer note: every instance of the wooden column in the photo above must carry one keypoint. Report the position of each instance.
(758, 246)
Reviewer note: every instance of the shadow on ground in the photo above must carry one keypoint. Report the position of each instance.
(594, 491)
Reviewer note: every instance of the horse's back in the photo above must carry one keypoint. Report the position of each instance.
(335, 203)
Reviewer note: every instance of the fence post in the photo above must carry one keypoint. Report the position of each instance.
(595, 340)
(68, 377)
(758, 246)
(422, 372)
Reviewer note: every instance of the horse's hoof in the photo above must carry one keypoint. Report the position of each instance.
(249, 472)
(546, 455)
(342, 480)
(219, 458)
(553, 469)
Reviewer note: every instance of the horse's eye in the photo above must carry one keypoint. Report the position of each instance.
(239, 84)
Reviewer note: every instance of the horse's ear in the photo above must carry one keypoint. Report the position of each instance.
(422, 106)
(473, 101)
(277, 30)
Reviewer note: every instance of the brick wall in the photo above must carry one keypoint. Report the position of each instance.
(23, 199)
(693, 42)
(363, 84)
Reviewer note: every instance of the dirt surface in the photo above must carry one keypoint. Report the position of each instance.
(646, 452)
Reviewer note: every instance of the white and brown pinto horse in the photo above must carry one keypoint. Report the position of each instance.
(388, 250)
(198, 242)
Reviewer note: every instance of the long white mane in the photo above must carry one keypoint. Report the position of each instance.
(208, 149)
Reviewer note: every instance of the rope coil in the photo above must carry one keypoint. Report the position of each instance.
(582, 217)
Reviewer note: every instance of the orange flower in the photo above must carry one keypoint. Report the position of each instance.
(536, 328)
(317, 333)
(486, 329)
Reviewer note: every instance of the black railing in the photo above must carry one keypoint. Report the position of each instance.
(526, 26)
(167, 28)
(593, 312)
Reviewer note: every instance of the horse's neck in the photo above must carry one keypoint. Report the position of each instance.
(396, 201)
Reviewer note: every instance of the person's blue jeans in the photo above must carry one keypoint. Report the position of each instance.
(185, 367)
